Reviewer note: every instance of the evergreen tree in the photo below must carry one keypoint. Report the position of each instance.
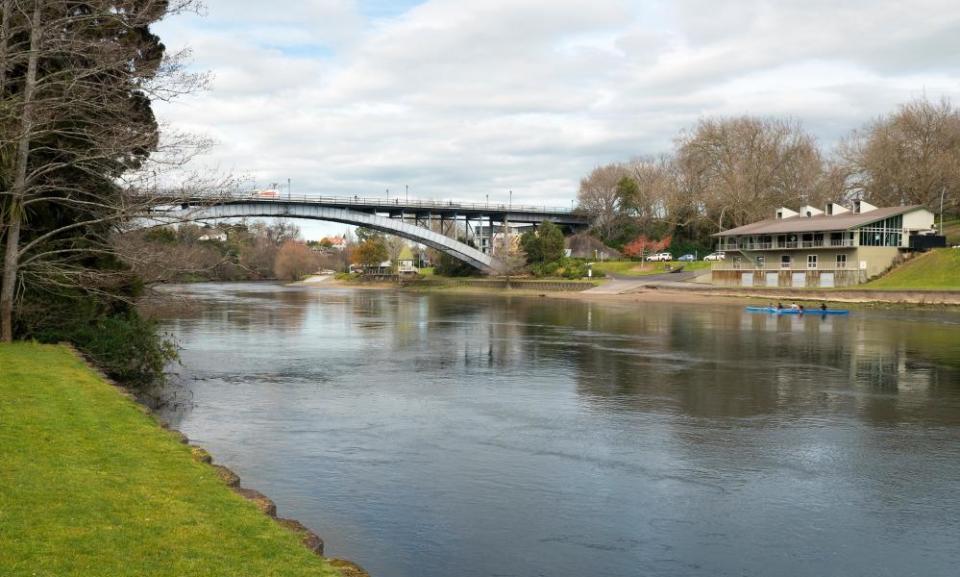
(543, 245)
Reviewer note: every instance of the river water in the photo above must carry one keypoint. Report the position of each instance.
(465, 436)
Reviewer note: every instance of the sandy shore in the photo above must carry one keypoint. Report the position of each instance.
(727, 296)
(703, 295)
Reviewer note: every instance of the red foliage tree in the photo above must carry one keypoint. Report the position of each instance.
(642, 245)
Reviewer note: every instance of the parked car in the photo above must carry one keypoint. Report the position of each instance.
(687, 258)
(660, 257)
(716, 256)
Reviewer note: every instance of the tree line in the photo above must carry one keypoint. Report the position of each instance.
(727, 172)
(227, 252)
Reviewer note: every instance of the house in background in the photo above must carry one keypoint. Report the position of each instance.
(338, 243)
(405, 265)
(216, 236)
(833, 247)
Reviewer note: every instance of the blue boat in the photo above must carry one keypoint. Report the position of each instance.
(788, 311)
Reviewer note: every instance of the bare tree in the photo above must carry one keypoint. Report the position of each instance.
(600, 198)
(739, 169)
(660, 193)
(76, 134)
(166, 255)
(294, 261)
(909, 157)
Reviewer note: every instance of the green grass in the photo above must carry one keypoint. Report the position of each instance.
(634, 268)
(935, 270)
(951, 229)
(91, 486)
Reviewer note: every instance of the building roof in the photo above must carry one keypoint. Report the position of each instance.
(818, 223)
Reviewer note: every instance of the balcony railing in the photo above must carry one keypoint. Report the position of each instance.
(790, 244)
(750, 267)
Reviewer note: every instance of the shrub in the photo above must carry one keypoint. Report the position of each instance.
(126, 346)
(574, 269)
(294, 261)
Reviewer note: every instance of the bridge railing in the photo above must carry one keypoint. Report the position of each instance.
(411, 204)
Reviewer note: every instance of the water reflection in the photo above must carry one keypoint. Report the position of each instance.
(437, 435)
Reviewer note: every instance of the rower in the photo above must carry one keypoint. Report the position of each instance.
(823, 306)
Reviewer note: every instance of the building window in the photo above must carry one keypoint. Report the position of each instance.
(811, 261)
(841, 261)
(760, 261)
(785, 261)
(888, 232)
(736, 262)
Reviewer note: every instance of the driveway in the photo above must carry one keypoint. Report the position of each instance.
(620, 284)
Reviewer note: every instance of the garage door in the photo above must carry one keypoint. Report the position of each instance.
(746, 279)
(773, 279)
(799, 279)
(826, 280)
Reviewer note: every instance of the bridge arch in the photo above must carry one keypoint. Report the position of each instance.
(255, 209)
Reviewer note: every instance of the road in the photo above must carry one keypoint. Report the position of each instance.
(620, 284)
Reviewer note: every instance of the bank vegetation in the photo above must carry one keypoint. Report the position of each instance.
(80, 154)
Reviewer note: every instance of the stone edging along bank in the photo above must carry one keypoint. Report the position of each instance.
(308, 538)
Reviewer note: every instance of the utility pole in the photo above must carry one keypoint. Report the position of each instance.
(407, 187)
(943, 192)
(289, 189)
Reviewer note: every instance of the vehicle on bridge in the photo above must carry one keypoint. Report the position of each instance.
(266, 194)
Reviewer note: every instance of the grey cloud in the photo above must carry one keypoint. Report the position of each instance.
(461, 98)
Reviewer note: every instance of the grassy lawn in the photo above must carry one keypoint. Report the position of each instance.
(634, 268)
(935, 270)
(91, 486)
(951, 229)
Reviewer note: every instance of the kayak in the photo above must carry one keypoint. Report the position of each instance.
(776, 311)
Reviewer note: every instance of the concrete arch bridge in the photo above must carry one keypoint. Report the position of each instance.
(432, 223)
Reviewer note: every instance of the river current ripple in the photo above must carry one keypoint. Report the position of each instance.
(464, 436)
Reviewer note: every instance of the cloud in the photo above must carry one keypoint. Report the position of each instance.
(463, 99)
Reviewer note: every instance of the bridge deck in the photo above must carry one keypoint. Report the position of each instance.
(518, 213)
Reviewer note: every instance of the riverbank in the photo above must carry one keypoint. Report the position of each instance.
(709, 295)
(92, 485)
(680, 293)
(691, 293)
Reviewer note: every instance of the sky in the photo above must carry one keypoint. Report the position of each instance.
(471, 99)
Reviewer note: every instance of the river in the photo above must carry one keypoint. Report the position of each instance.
(431, 435)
